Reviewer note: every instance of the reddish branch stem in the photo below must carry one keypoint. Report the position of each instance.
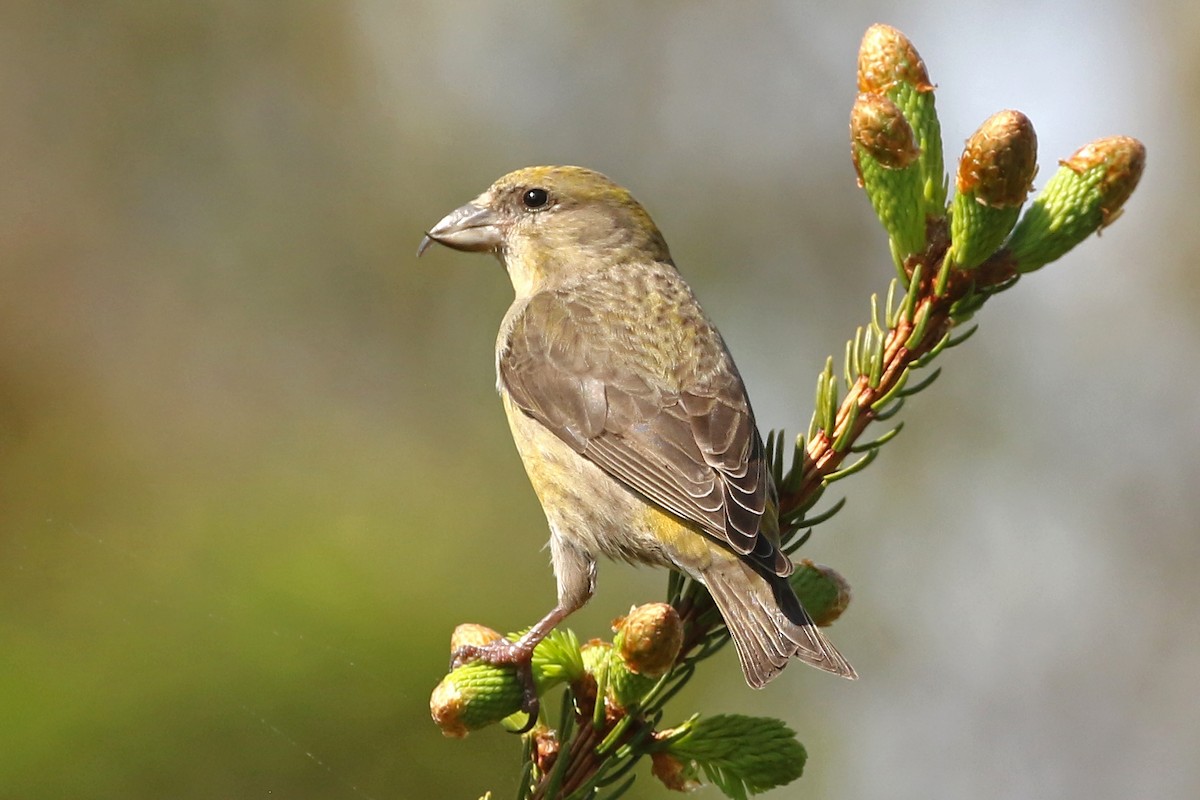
(821, 459)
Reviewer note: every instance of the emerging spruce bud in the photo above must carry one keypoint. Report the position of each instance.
(649, 638)
(741, 755)
(889, 65)
(886, 159)
(822, 590)
(1123, 159)
(886, 56)
(622, 688)
(597, 654)
(478, 694)
(556, 660)
(647, 643)
(474, 696)
(645, 647)
(995, 175)
(878, 129)
(999, 161)
(1086, 194)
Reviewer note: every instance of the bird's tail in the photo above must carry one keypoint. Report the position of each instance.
(768, 625)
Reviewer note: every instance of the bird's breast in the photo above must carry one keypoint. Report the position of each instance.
(592, 510)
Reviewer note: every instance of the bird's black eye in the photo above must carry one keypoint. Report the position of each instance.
(535, 198)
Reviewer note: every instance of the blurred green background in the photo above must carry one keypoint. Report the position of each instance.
(253, 469)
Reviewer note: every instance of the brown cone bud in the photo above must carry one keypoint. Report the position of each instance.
(886, 56)
(545, 748)
(649, 639)
(1087, 193)
(999, 161)
(673, 773)
(878, 126)
(1126, 160)
(470, 633)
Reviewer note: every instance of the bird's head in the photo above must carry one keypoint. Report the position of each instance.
(549, 225)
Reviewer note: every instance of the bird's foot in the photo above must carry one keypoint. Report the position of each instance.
(503, 653)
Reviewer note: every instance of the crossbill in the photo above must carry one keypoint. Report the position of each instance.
(629, 414)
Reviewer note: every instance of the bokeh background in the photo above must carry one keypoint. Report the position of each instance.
(253, 470)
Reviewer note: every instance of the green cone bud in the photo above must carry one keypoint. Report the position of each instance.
(647, 643)
(623, 689)
(645, 647)
(1086, 194)
(474, 696)
(823, 592)
(889, 65)
(596, 655)
(995, 175)
(887, 162)
(478, 694)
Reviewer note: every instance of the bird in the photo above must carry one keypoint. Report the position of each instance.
(629, 415)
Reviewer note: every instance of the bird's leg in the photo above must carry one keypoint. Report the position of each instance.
(519, 654)
(576, 575)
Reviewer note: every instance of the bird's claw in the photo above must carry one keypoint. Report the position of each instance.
(503, 653)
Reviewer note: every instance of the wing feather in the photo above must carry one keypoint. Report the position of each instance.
(686, 440)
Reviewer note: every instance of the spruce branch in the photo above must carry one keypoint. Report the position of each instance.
(950, 258)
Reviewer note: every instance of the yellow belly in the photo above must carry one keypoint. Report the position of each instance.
(596, 513)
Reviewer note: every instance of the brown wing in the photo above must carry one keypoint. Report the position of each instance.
(691, 448)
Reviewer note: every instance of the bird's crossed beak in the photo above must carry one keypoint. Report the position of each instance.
(473, 228)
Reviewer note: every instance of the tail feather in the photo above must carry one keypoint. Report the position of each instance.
(768, 625)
